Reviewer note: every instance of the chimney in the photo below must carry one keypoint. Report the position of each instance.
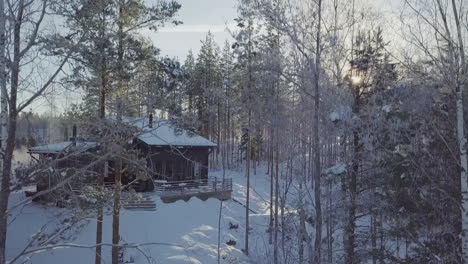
(150, 124)
(74, 135)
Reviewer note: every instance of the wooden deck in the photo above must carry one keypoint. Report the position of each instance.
(171, 191)
(203, 188)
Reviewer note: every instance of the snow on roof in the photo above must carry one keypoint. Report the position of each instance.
(63, 146)
(165, 133)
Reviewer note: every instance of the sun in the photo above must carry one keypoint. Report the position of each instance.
(356, 80)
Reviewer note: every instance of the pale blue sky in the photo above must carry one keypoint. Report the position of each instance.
(198, 16)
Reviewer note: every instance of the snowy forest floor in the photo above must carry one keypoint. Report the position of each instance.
(188, 230)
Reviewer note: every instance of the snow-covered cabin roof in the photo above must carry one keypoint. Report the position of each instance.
(63, 147)
(165, 133)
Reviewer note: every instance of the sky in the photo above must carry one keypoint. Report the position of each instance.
(198, 17)
(201, 16)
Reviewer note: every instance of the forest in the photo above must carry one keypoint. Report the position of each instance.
(342, 126)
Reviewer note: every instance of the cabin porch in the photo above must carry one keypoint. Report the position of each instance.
(211, 187)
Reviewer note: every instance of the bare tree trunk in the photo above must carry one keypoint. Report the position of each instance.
(249, 142)
(218, 134)
(373, 231)
(100, 216)
(254, 159)
(12, 118)
(461, 135)
(382, 238)
(6, 179)
(464, 171)
(352, 191)
(117, 199)
(102, 115)
(118, 162)
(317, 168)
(283, 208)
(219, 230)
(3, 79)
(271, 190)
(275, 249)
(247, 201)
(116, 212)
(350, 185)
(223, 157)
(330, 224)
(228, 134)
(302, 228)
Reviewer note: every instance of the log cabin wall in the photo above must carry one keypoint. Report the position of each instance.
(63, 167)
(177, 163)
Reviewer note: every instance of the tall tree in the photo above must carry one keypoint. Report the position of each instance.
(317, 146)
(244, 50)
(208, 83)
(23, 44)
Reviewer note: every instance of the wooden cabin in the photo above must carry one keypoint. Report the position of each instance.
(60, 160)
(173, 154)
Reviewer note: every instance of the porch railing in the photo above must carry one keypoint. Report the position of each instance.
(210, 185)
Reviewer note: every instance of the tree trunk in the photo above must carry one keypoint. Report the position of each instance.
(463, 173)
(100, 216)
(283, 208)
(270, 239)
(330, 223)
(317, 168)
(373, 231)
(461, 135)
(12, 119)
(302, 228)
(352, 190)
(247, 201)
(275, 249)
(118, 162)
(3, 82)
(116, 212)
(223, 157)
(6, 179)
(102, 116)
(382, 238)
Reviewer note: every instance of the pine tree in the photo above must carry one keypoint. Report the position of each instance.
(370, 74)
(207, 82)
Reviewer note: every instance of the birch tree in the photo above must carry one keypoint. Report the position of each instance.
(444, 20)
(24, 43)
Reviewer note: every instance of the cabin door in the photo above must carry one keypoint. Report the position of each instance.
(197, 170)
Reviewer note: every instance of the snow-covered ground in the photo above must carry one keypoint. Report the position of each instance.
(188, 231)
